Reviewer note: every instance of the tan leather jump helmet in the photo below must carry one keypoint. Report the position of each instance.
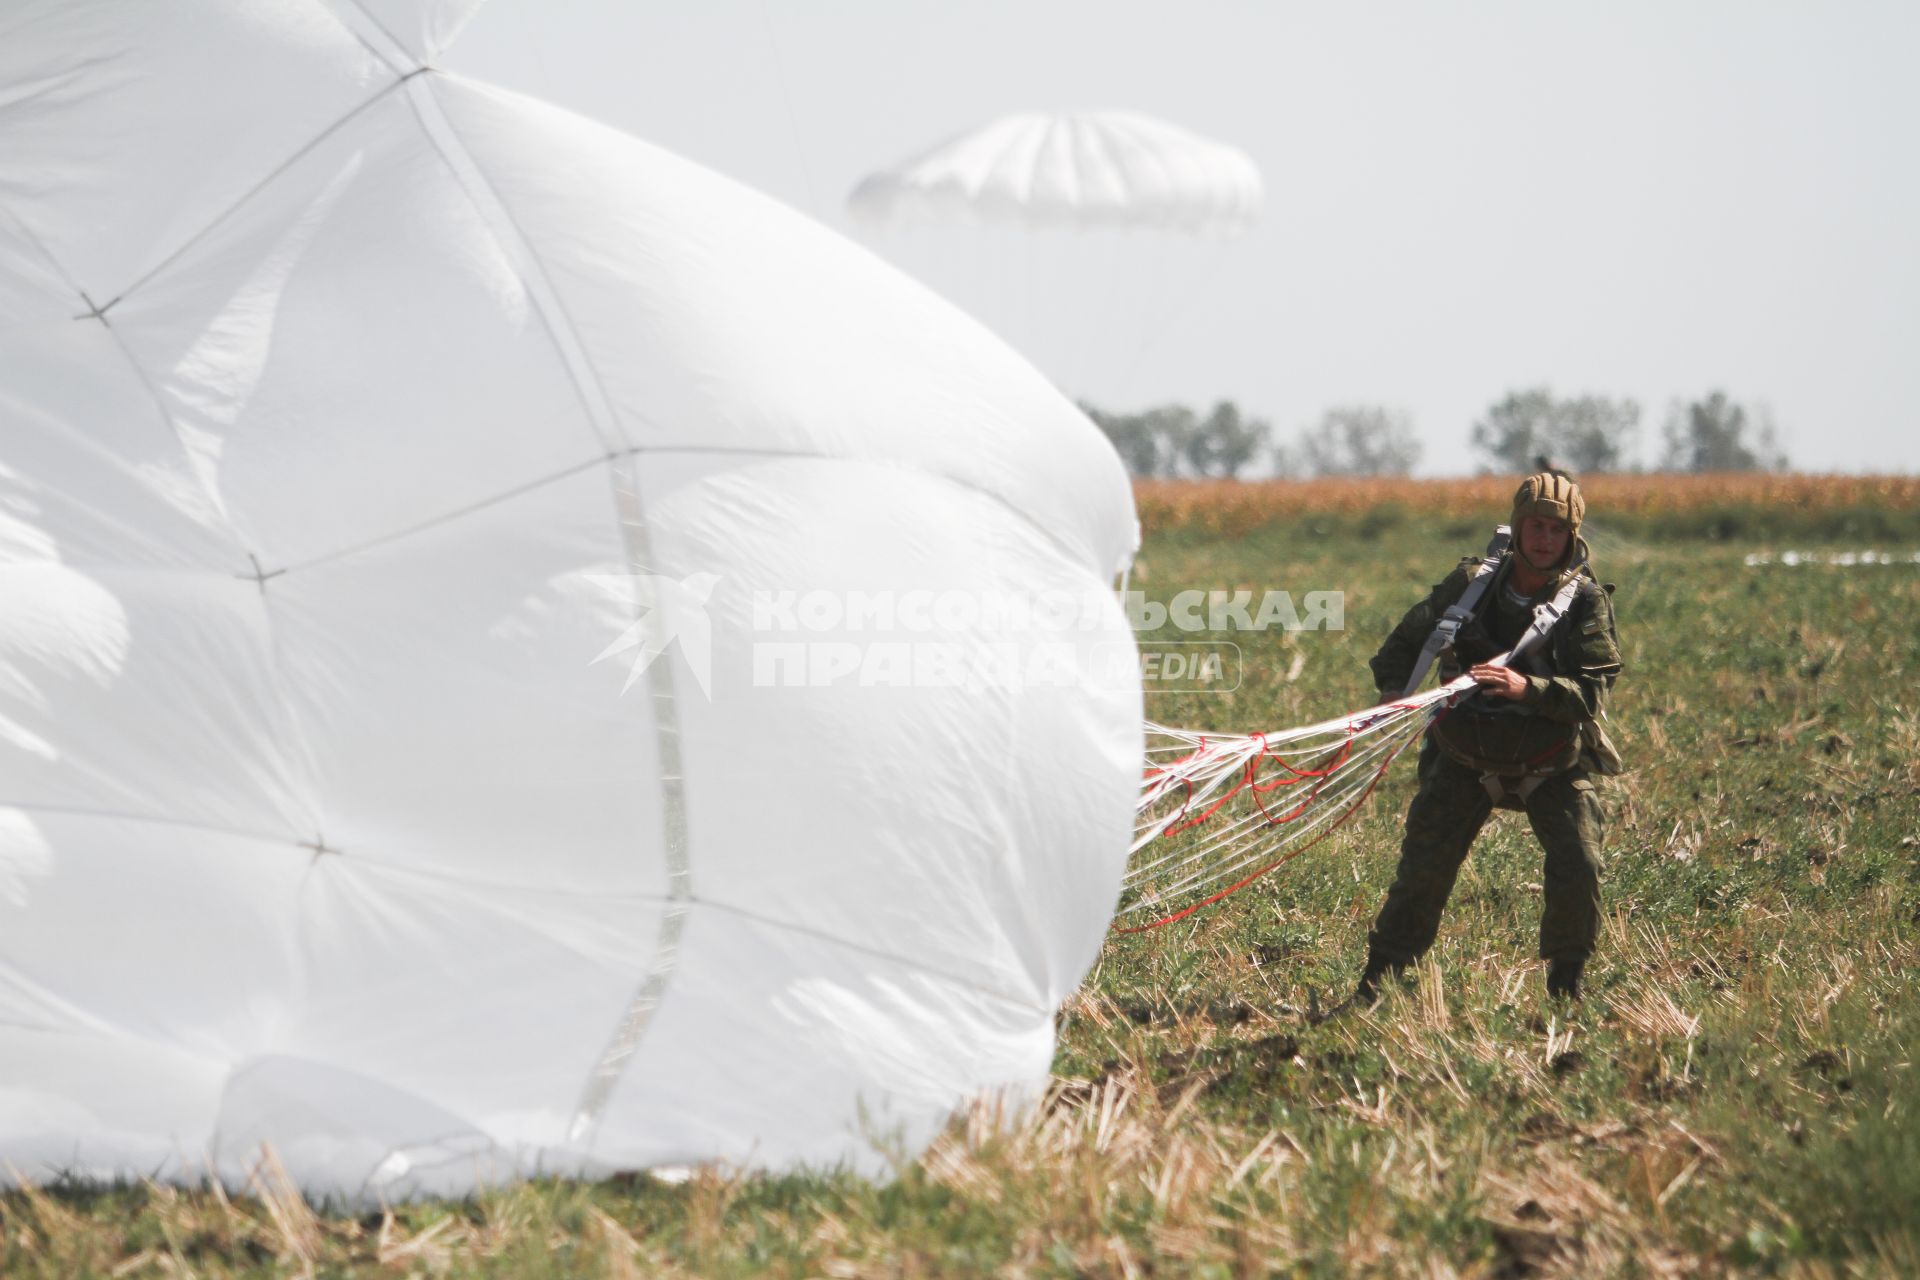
(1552, 494)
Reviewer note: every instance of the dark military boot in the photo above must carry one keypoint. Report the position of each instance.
(1563, 977)
(1378, 967)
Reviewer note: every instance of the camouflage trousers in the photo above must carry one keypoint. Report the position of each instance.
(1447, 813)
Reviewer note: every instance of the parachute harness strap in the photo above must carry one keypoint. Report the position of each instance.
(1547, 614)
(1499, 787)
(1462, 609)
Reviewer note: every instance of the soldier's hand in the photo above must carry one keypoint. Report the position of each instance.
(1499, 682)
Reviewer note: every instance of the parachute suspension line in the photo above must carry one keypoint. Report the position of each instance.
(795, 141)
(1288, 853)
(1025, 307)
(1227, 810)
(1171, 297)
(1082, 352)
(1250, 841)
(1178, 850)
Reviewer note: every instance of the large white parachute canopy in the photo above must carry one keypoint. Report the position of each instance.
(1080, 237)
(1085, 169)
(349, 410)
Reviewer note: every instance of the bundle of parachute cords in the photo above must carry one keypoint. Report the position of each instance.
(1216, 812)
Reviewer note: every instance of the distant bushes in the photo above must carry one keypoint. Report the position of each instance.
(1524, 431)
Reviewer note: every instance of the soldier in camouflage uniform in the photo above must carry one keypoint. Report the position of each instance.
(1529, 739)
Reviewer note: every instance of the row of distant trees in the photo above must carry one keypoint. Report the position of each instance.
(1582, 433)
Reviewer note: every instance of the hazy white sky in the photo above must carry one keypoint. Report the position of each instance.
(1635, 199)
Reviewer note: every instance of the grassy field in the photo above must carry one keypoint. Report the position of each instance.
(1736, 1095)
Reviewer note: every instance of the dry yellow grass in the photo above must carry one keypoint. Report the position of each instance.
(1235, 506)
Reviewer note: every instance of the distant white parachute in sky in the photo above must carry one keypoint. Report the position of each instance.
(1079, 169)
(1082, 238)
(364, 430)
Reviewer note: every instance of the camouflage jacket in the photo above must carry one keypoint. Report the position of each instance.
(1570, 675)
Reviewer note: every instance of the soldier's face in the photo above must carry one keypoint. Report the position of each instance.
(1543, 540)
